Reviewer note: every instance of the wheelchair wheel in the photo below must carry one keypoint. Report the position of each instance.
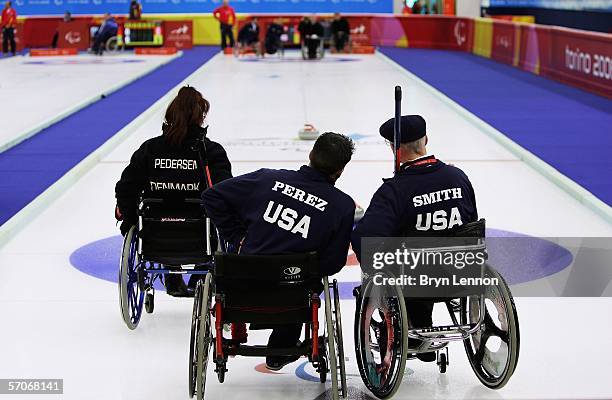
(149, 302)
(131, 295)
(493, 351)
(201, 338)
(331, 341)
(339, 339)
(322, 366)
(113, 45)
(381, 337)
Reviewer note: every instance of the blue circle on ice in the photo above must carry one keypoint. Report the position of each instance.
(518, 258)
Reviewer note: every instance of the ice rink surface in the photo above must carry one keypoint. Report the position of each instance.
(58, 322)
(35, 90)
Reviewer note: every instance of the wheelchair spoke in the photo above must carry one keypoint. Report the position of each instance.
(494, 330)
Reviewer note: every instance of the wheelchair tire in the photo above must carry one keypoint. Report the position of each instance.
(195, 324)
(488, 372)
(322, 368)
(331, 343)
(112, 45)
(221, 374)
(201, 329)
(442, 363)
(149, 303)
(370, 376)
(131, 296)
(339, 340)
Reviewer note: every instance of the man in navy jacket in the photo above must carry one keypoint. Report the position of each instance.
(426, 197)
(284, 211)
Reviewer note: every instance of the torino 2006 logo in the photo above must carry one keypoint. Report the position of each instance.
(581, 61)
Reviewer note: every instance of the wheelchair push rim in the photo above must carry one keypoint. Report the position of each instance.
(340, 340)
(493, 350)
(201, 338)
(381, 319)
(334, 345)
(113, 45)
(131, 295)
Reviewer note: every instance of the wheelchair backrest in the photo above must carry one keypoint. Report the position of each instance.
(175, 229)
(266, 288)
(267, 270)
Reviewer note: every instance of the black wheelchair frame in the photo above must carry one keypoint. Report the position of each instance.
(291, 278)
(139, 268)
(382, 331)
(320, 48)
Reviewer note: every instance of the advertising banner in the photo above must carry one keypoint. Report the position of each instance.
(74, 34)
(505, 42)
(582, 59)
(178, 34)
(438, 32)
(58, 7)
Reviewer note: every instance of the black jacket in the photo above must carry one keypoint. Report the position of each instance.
(171, 172)
(284, 212)
(308, 28)
(427, 195)
(340, 25)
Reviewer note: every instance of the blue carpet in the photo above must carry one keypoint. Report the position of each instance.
(29, 168)
(568, 128)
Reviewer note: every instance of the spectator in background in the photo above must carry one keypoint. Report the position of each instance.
(340, 31)
(107, 30)
(226, 17)
(249, 35)
(9, 23)
(135, 10)
(407, 10)
(273, 41)
(417, 8)
(311, 32)
(434, 7)
(67, 18)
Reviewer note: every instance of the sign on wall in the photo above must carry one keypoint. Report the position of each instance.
(58, 7)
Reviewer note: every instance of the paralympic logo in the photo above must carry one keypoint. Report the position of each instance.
(459, 33)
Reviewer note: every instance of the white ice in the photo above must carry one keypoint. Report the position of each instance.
(58, 322)
(34, 91)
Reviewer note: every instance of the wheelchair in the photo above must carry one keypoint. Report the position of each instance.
(284, 290)
(480, 319)
(320, 51)
(170, 238)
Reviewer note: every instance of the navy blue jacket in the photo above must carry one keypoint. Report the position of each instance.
(284, 212)
(426, 195)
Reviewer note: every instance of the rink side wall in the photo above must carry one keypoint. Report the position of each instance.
(579, 58)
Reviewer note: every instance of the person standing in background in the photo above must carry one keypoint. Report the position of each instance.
(135, 10)
(9, 22)
(226, 17)
(340, 31)
(67, 19)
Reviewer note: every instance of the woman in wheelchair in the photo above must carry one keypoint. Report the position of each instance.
(177, 165)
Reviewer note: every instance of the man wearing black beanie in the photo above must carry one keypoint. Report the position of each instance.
(425, 197)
